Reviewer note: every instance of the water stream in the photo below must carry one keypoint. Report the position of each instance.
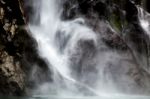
(80, 61)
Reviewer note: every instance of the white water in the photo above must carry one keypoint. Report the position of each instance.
(45, 34)
(57, 51)
(144, 18)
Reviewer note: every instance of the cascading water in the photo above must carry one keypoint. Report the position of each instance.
(144, 18)
(57, 43)
(82, 64)
(52, 34)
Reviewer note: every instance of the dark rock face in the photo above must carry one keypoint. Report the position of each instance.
(12, 80)
(148, 7)
(11, 75)
(18, 53)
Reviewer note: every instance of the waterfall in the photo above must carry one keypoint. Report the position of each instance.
(81, 61)
(144, 20)
(56, 38)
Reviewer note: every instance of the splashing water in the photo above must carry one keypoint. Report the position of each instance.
(144, 20)
(60, 43)
(46, 32)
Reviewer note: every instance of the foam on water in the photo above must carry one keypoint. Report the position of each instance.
(45, 35)
(57, 39)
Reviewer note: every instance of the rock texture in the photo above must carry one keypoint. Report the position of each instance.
(12, 76)
(18, 53)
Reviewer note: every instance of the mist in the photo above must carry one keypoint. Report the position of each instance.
(78, 54)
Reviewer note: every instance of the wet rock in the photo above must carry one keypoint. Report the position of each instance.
(114, 41)
(1, 13)
(11, 75)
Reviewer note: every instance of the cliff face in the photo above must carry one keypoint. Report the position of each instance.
(18, 53)
(11, 74)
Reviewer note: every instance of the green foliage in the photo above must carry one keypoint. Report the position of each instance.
(116, 22)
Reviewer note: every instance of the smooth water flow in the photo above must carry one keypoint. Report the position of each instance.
(82, 64)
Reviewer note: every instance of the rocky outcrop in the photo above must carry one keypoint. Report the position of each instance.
(18, 53)
(12, 77)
